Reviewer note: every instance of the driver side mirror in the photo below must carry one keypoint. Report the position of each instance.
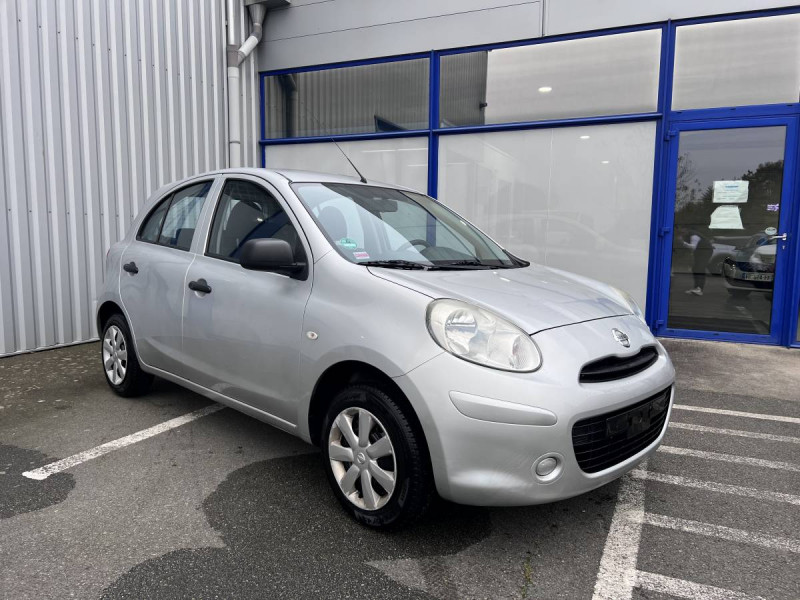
(273, 255)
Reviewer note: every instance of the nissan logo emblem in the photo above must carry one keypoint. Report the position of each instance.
(621, 337)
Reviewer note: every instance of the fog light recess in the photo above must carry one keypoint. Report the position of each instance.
(548, 467)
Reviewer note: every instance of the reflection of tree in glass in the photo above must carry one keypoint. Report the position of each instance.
(686, 184)
(693, 208)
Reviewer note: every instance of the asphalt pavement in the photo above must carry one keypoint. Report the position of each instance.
(223, 506)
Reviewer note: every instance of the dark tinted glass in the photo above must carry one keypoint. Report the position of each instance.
(247, 211)
(182, 216)
(391, 96)
(152, 225)
(728, 189)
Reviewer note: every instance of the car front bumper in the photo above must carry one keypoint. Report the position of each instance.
(489, 458)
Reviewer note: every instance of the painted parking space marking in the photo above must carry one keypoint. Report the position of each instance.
(712, 486)
(681, 588)
(737, 413)
(735, 432)
(617, 575)
(720, 531)
(76, 459)
(732, 458)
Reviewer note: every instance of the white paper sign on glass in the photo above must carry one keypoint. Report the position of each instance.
(731, 192)
(726, 217)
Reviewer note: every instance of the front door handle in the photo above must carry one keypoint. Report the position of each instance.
(200, 285)
(781, 237)
(130, 268)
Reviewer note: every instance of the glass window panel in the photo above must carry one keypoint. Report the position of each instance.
(603, 75)
(727, 209)
(246, 211)
(402, 161)
(390, 96)
(576, 198)
(152, 225)
(735, 63)
(184, 212)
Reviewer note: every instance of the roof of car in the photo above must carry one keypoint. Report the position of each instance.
(296, 176)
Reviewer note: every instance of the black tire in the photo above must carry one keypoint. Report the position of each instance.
(135, 382)
(414, 487)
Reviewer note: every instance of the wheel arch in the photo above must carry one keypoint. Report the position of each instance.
(348, 372)
(104, 313)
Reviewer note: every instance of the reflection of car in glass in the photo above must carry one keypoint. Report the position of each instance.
(752, 267)
(721, 252)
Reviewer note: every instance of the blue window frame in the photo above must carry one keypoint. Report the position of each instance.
(666, 120)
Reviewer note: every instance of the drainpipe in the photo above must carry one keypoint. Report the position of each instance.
(236, 57)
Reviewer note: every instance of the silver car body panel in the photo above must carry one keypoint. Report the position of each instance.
(260, 342)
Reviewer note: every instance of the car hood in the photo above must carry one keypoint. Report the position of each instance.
(534, 297)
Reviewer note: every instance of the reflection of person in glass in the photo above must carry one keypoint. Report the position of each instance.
(701, 255)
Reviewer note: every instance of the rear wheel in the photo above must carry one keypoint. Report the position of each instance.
(375, 459)
(121, 366)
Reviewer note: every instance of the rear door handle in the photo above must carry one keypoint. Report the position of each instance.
(130, 268)
(200, 285)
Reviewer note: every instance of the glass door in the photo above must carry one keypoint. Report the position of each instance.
(726, 232)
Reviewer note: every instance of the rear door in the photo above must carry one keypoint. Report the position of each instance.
(154, 269)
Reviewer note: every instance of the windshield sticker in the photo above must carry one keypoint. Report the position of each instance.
(360, 255)
(348, 243)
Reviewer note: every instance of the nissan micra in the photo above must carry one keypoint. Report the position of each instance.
(376, 323)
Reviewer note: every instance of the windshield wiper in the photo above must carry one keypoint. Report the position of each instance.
(459, 264)
(394, 264)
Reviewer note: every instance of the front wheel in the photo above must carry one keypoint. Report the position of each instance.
(375, 458)
(121, 366)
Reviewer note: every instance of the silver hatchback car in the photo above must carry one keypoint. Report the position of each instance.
(374, 322)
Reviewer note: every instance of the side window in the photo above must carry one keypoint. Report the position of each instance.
(152, 225)
(182, 216)
(246, 211)
(173, 221)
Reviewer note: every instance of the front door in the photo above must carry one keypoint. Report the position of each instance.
(727, 231)
(242, 329)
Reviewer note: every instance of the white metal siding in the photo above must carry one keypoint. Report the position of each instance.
(101, 103)
(310, 32)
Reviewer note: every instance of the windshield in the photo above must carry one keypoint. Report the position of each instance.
(387, 227)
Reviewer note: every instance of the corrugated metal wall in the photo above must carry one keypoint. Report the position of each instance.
(101, 103)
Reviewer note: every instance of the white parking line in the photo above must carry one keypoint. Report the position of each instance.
(712, 486)
(617, 575)
(720, 531)
(732, 458)
(737, 432)
(76, 459)
(737, 413)
(687, 589)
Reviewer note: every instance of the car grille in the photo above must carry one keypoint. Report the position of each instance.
(605, 440)
(618, 367)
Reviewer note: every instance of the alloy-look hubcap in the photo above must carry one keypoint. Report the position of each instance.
(115, 355)
(362, 458)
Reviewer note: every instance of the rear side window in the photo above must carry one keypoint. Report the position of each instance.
(173, 222)
(246, 211)
(152, 226)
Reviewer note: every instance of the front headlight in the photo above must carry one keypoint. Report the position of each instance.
(631, 303)
(482, 337)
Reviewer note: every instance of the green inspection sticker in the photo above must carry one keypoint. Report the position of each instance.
(348, 243)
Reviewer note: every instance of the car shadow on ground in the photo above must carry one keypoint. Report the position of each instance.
(286, 536)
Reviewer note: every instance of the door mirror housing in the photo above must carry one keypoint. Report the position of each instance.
(269, 254)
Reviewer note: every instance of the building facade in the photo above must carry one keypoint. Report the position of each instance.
(650, 145)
